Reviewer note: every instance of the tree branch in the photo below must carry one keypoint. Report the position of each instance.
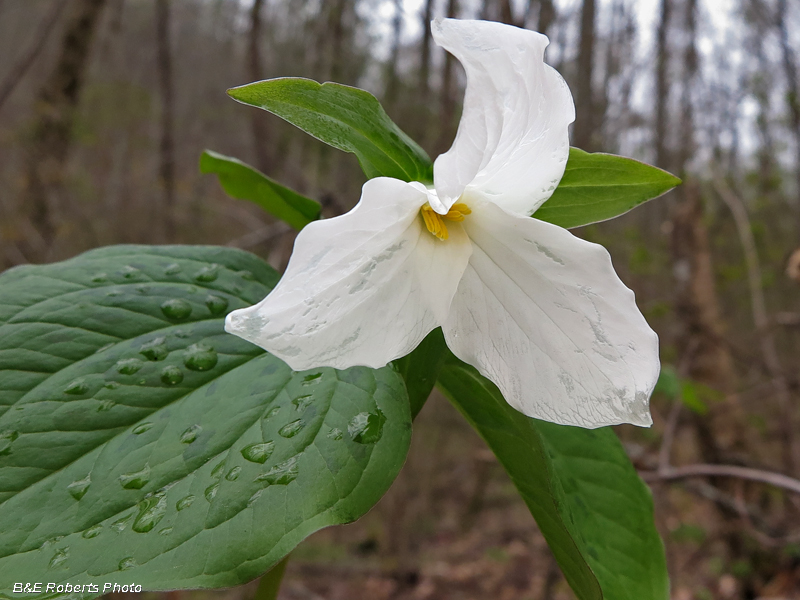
(706, 470)
(26, 60)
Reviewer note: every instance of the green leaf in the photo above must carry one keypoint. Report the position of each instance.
(598, 187)
(592, 508)
(347, 118)
(421, 368)
(137, 436)
(243, 182)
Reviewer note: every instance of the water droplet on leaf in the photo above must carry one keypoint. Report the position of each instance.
(171, 375)
(135, 480)
(155, 349)
(200, 357)
(207, 274)
(77, 489)
(191, 433)
(129, 272)
(176, 309)
(366, 428)
(6, 439)
(151, 511)
(246, 275)
(254, 497)
(185, 502)
(120, 524)
(172, 269)
(216, 472)
(52, 541)
(128, 366)
(105, 405)
(258, 453)
(216, 304)
(59, 558)
(111, 385)
(99, 278)
(233, 474)
(281, 474)
(335, 434)
(127, 563)
(291, 429)
(92, 532)
(165, 531)
(303, 402)
(77, 387)
(211, 492)
(142, 427)
(272, 412)
(312, 379)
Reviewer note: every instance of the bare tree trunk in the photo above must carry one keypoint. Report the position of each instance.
(425, 58)
(547, 14)
(709, 360)
(792, 95)
(256, 73)
(506, 14)
(392, 81)
(662, 86)
(29, 57)
(166, 171)
(584, 102)
(615, 46)
(336, 28)
(690, 67)
(761, 320)
(54, 114)
(700, 345)
(762, 87)
(448, 103)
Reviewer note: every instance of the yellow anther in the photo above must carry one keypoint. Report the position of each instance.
(435, 222)
(457, 212)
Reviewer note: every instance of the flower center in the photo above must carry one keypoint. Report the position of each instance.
(435, 222)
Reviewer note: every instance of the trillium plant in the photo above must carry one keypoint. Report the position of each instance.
(183, 416)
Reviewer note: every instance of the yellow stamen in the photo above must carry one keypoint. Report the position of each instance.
(435, 222)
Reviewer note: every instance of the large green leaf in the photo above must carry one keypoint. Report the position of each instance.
(140, 443)
(597, 187)
(243, 182)
(347, 118)
(594, 511)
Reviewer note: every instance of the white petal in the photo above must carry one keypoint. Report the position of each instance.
(544, 316)
(360, 289)
(512, 143)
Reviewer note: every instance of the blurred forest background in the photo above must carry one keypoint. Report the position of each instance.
(106, 105)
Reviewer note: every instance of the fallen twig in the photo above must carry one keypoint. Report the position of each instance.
(707, 470)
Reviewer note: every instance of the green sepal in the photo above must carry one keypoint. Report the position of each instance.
(243, 182)
(347, 118)
(597, 187)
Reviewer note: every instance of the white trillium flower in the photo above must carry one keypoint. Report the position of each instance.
(538, 311)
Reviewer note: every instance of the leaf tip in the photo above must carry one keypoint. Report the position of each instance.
(237, 93)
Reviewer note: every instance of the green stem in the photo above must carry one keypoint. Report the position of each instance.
(270, 583)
